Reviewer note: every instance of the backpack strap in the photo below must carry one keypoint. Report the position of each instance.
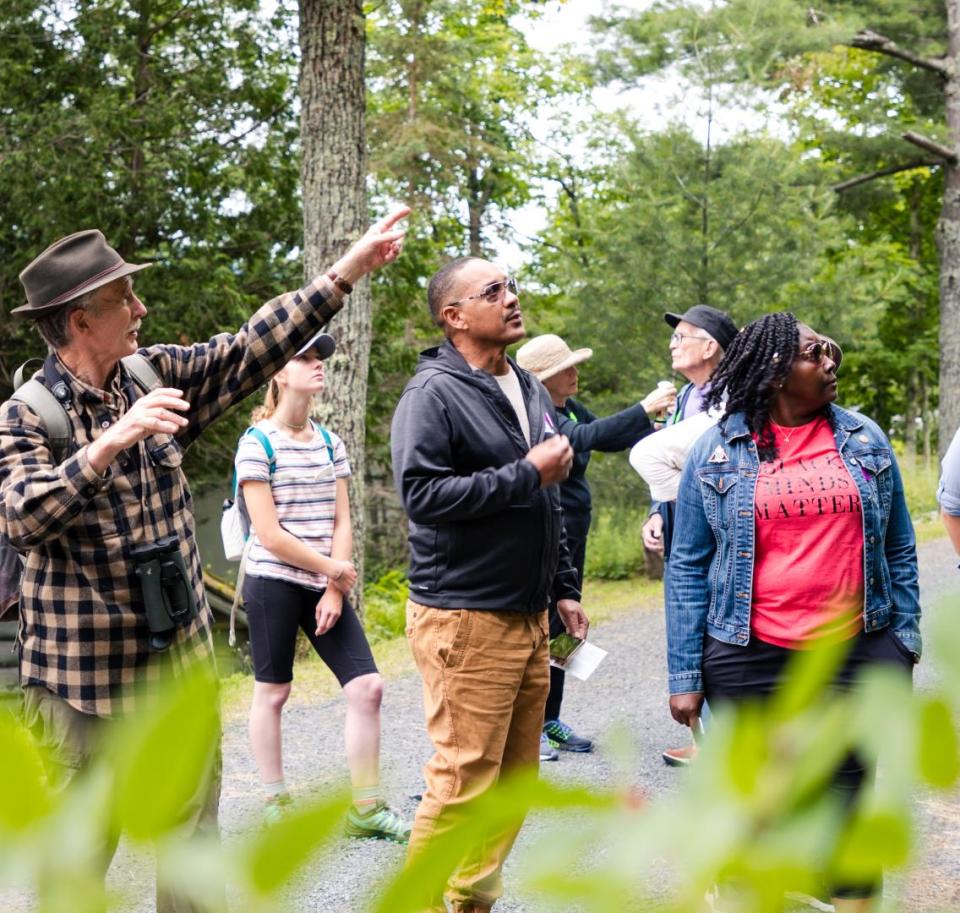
(141, 369)
(50, 410)
(326, 438)
(253, 431)
(20, 376)
(51, 413)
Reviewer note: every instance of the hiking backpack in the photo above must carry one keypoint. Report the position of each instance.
(55, 421)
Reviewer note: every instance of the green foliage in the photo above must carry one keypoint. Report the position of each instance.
(752, 811)
(169, 125)
(385, 610)
(920, 478)
(615, 546)
(161, 756)
(876, 290)
(21, 770)
(275, 857)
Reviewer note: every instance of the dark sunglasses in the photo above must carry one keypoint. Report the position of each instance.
(493, 292)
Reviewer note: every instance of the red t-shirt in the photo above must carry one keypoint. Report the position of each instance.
(808, 569)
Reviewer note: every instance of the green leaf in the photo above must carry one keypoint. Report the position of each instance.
(280, 851)
(937, 746)
(875, 840)
(808, 674)
(24, 795)
(164, 753)
(488, 817)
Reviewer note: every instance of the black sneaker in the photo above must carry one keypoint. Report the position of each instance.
(563, 737)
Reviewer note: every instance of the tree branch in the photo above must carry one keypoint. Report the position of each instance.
(924, 142)
(867, 40)
(850, 183)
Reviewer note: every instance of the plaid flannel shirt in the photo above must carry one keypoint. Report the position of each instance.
(83, 632)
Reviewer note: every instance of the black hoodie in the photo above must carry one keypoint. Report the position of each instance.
(483, 533)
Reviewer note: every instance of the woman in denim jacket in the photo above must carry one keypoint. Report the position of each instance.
(793, 524)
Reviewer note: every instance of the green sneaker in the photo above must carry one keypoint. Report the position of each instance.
(380, 823)
(277, 807)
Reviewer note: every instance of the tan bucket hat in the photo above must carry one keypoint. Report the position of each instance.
(69, 268)
(547, 355)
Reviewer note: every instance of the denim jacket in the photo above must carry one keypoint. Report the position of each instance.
(709, 583)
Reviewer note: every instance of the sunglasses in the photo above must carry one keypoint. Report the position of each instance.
(493, 292)
(817, 351)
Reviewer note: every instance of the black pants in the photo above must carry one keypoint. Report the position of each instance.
(578, 552)
(276, 609)
(732, 674)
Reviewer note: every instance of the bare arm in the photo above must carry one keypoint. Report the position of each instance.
(341, 548)
(275, 539)
(952, 523)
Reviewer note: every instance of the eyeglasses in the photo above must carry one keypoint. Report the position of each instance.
(493, 292)
(816, 352)
(679, 337)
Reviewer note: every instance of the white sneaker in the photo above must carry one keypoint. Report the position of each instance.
(547, 751)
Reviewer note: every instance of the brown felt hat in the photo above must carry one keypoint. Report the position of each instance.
(69, 268)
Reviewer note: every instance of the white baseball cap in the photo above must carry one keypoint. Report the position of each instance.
(323, 343)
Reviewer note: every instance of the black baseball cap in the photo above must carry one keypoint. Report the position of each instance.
(717, 323)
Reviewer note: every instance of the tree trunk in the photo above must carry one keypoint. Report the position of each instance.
(333, 172)
(948, 245)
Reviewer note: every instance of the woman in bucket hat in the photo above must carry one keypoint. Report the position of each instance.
(554, 364)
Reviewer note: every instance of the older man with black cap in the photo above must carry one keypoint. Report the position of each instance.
(87, 515)
(700, 336)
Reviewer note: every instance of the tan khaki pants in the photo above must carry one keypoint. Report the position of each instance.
(485, 681)
(71, 739)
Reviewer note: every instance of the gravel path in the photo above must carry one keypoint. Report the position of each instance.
(628, 690)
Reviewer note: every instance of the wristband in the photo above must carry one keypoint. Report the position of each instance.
(340, 282)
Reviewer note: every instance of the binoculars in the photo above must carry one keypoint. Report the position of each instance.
(165, 585)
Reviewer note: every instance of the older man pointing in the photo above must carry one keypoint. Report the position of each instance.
(90, 520)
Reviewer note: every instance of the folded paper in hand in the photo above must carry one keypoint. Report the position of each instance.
(584, 661)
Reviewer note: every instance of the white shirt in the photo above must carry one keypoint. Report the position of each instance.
(510, 384)
(661, 456)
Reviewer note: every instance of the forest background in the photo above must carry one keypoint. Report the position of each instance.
(775, 175)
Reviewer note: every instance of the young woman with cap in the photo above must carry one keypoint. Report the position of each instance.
(298, 576)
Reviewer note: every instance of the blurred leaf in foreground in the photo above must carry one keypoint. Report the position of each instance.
(165, 754)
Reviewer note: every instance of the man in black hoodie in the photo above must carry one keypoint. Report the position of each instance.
(477, 461)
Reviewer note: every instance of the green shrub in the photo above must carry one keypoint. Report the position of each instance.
(385, 612)
(615, 548)
(920, 479)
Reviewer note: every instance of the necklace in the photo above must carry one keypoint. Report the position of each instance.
(783, 431)
(291, 425)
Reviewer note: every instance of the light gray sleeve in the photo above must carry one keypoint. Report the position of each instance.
(948, 494)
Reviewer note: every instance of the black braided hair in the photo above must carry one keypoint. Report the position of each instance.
(758, 360)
